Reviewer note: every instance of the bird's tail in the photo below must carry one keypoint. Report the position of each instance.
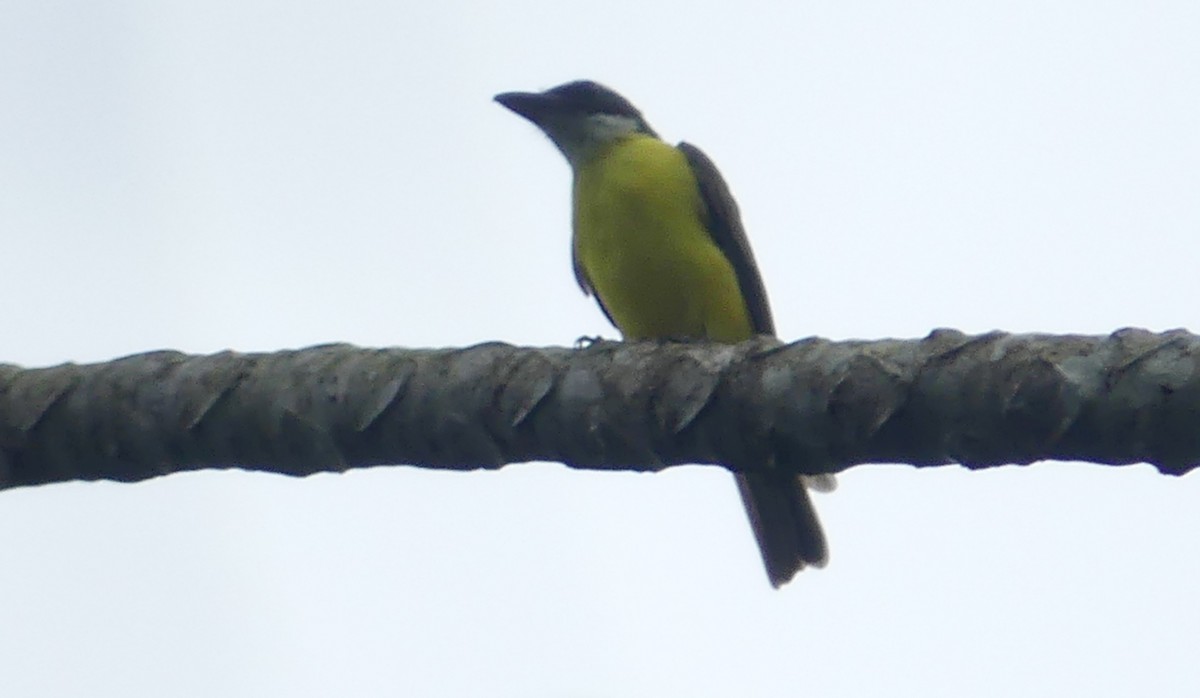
(784, 521)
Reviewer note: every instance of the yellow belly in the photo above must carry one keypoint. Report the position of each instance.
(641, 241)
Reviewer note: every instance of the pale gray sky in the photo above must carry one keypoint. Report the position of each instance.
(261, 175)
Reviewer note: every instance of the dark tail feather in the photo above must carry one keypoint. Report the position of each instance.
(785, 524)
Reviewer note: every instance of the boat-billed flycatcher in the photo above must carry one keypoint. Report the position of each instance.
(659, 243)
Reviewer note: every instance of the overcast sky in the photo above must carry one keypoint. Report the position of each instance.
(259, 175)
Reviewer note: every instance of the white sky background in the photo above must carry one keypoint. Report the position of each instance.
(263, 175)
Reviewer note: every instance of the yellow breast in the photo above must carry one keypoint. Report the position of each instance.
(641, 241)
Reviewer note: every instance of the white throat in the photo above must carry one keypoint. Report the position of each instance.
(580, 140)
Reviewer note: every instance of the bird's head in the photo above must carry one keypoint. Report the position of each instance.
(580, 117)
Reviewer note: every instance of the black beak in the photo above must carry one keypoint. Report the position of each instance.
(535, 106)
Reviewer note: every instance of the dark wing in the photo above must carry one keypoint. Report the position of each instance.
(725, 225)
(585, 283)
(786, 526)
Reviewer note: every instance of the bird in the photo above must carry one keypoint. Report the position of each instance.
(658, 241)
